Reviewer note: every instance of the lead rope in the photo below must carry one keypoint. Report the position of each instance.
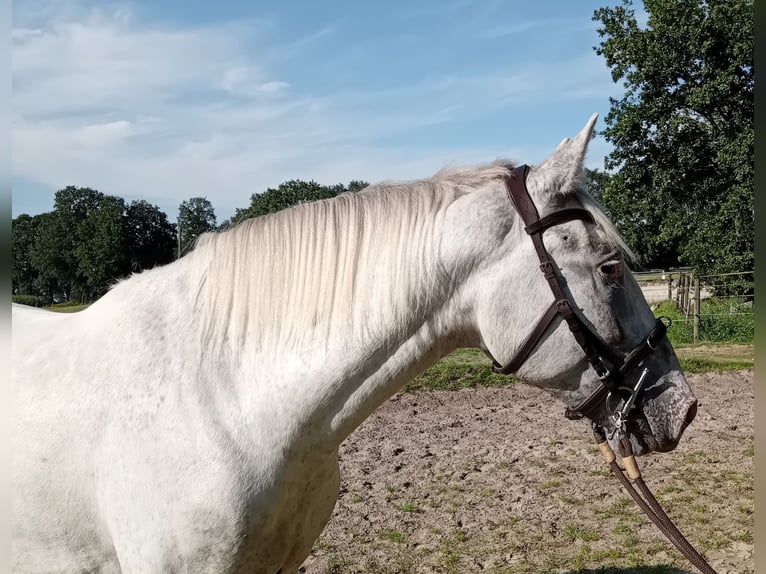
(648, 503)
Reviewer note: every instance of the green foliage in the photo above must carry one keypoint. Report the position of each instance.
(31, 300)
(680, 331)
(706, 365)
(596, 182)
(469, 368)
(101, 246)
(291, 193)
(151, 238)
(727, 321)
(195, 217)
(88, 241)
(682, 190)
(68, 307)
(58, 247)
(24, 275)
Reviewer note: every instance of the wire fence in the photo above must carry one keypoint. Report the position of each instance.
(704, 308)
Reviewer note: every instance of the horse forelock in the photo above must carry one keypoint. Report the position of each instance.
(611, 234)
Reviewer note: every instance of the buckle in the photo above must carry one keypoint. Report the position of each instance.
(601, 369)
(547, 268)
(606, 374)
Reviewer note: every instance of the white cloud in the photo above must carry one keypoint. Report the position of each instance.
(133, 109)
(97, 135)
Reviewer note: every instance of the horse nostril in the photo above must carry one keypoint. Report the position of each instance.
(690, 414)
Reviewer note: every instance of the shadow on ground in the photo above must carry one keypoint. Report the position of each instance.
(634, 570)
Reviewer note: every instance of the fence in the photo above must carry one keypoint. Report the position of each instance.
(715, 308)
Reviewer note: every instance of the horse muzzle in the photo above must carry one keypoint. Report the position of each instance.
(662, 413)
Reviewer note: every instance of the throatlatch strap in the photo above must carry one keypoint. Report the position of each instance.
(529, 343)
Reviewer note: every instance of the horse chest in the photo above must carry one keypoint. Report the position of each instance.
(281, 523)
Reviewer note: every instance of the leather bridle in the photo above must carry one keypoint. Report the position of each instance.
(610, 366)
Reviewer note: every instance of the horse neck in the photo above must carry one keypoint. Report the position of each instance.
(328, 336)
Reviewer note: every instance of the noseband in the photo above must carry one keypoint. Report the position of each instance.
(610, 366)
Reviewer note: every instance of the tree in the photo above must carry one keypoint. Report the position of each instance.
(195, 217)
(24, 275)
(291, 193)
(596, 182)
(55, 251)
(150, 237)
(87, 242)
(101, 248)
(356, 185)
(682, 189)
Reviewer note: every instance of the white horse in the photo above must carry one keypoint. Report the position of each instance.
(189, 421)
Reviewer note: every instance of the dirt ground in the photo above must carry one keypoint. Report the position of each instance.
(657, 291)
(497, 480)
(717, 350)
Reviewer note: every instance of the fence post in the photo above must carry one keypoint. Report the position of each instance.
(696, 308)
(670, 287)
(688, 294)
(679, 302)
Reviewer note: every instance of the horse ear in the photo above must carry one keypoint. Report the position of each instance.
(561, 170)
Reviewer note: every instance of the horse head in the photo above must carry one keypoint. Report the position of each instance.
(552, 299)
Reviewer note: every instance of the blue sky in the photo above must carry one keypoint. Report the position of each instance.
(165, 100)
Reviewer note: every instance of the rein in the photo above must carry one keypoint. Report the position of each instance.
(611, 368)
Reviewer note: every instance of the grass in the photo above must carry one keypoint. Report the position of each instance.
(470, 368)
(450, 550)
(576, 533)
(407, 507)
(464, 368)
(69, 307)
(717, 323)
(393, 535)
(714, 364)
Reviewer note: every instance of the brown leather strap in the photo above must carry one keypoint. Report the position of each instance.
(517, 192)
(529, 343)
(558, 217)
(647, 501)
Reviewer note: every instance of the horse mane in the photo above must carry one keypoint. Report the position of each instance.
(360, 264)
